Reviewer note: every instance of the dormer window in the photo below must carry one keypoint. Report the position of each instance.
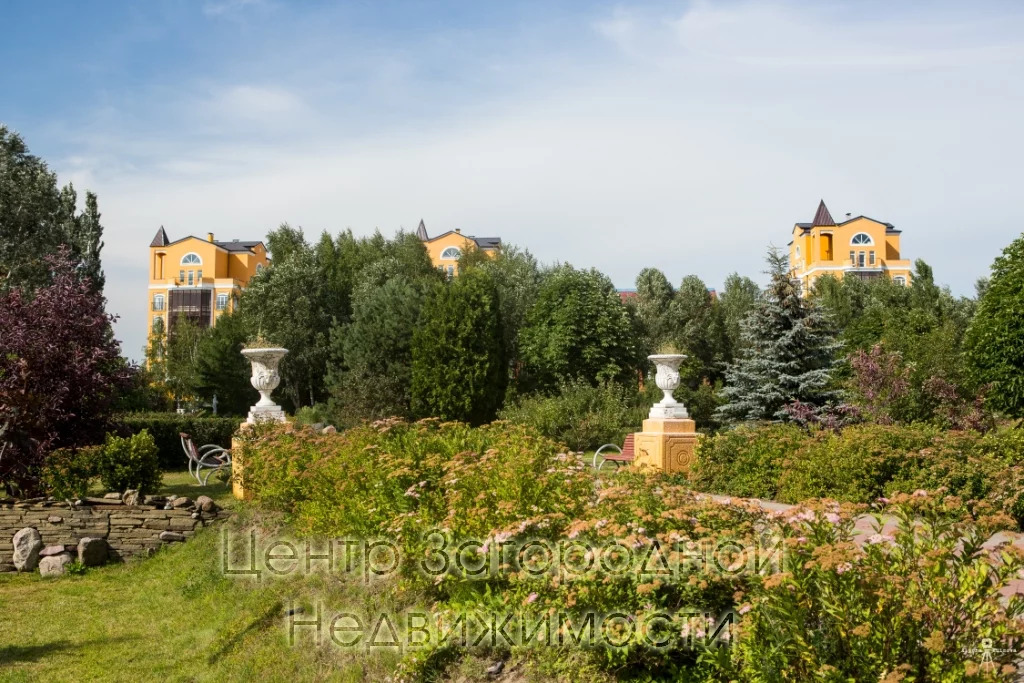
(191, 259)
(861, 238)
(451, 253)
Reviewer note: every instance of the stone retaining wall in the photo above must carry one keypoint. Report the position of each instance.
(128, 529)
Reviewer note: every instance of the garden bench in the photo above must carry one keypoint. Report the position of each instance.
(621, 456)
(210, 457)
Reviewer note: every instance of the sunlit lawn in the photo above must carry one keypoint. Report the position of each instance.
(175, 617)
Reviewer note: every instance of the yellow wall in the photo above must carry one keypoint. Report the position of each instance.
(436, 246)
(223, 272)
(809, 256)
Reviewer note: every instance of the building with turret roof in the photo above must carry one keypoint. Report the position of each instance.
(198, 279)
(856, 247)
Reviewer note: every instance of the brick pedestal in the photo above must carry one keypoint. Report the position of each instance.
(668, 445)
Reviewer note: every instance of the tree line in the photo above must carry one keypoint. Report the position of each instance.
(375, 330)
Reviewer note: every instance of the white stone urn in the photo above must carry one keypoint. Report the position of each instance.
(265, 379)
(667, 379)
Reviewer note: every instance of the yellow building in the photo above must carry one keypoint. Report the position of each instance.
(446, 249)
(858, 247)
(198, 279)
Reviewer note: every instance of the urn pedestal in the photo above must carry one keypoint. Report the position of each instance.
(668, 445)
(668, 441)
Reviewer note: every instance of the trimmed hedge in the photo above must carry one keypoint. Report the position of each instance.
(166, 427)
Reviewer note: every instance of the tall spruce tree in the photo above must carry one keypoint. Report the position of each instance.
(788, 353)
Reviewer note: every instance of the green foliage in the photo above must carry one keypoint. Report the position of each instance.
(173, 360)
(517, 278)
(371, 376)
(165, 429)
(916, 605)
(222, 370)
(829, 608)
(288, 302)
(458, 365)
(129, 463)
(580, 415)
(737, 299)
(746, 461)
(995, 340)
(37, 218)
(318, 414)
(578, 328)
(396, 477)
(68, 472)
(923, 324)
(75, 568)
(788, 354)
(654, 295)
(863, 462)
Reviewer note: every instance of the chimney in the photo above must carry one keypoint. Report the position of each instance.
(209, 237)
(458, 230)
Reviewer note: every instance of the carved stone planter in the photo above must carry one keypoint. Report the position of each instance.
(667, 379)
(265, 379)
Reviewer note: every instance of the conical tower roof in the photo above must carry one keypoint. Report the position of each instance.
(160, 240)
(421, 231)
(822, 216)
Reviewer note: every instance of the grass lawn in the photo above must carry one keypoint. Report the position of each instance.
(176, 617)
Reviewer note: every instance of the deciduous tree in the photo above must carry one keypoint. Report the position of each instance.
(60, 370)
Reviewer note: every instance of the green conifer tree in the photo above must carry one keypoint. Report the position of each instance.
(788, 353)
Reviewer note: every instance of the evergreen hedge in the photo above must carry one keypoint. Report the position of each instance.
(166, 428)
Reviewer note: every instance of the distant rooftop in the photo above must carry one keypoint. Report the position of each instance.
(481, 242)
(161, 240)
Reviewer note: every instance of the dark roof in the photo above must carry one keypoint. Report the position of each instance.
(481, 242)
(421, 231)
(889, 227)
(160, 240)
(822, 216)
(236, 245)
(487, 242)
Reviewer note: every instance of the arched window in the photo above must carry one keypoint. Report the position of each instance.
(451, 253)
(191, 259)
(259, 268)
(158, 324)
(861, 238)
(158, 302)
(900, 280)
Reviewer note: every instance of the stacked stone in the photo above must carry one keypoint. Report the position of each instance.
(49, 533)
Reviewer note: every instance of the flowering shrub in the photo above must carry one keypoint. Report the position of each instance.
(921, 603)
(398, 477)
(863, 462)
(678, 585)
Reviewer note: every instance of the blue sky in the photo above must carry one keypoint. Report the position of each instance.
(683, 135)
